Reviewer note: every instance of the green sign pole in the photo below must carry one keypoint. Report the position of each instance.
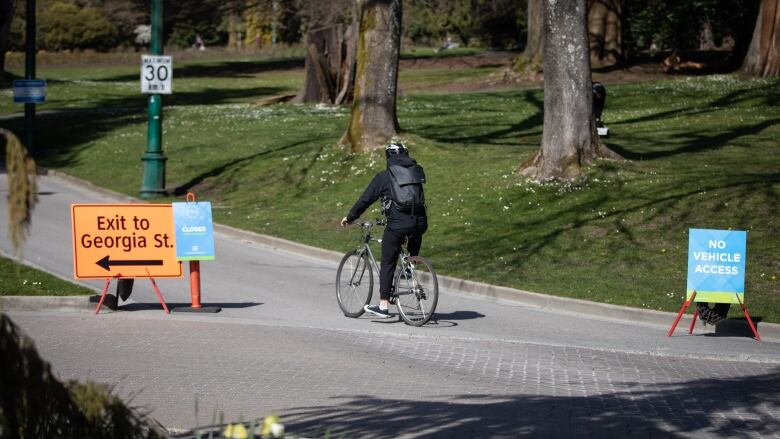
(154, 159)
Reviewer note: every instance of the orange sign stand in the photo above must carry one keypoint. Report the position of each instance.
(114, 241)
(690, 300)
(154, 285)
(195, 282)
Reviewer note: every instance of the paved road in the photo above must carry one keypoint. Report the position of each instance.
(486, 368)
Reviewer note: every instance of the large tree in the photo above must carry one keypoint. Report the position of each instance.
(330, 52)
(569, 138)
(605, 31)
(6, 17)
(535, 41)
(374, 120)
(763, 56)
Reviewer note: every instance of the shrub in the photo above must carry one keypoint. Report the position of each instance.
(65, 26)
(35, 404)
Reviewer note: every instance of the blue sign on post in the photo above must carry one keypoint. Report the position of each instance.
(716, 265)
(194, 231)
(29, 91)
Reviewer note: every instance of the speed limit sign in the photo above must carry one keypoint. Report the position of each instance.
(156, 74)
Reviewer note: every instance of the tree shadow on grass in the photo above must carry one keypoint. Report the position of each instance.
(232, 165)
(657, 205)
(769, 93)
(233, 69)
(723, 407)
(697, 142)
(459, 133)
(7, 79)
(205, 96)
(63, 135)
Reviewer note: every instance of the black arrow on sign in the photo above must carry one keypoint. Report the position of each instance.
(106, 263)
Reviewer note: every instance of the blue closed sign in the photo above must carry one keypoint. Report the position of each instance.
(716, 264)
(194, 231)
(29, 91)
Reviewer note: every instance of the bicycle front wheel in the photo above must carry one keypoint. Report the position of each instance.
(417, 291)
(354, 283)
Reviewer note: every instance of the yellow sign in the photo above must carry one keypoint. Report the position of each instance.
(123, 240)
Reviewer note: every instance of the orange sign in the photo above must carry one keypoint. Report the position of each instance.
(123, 240)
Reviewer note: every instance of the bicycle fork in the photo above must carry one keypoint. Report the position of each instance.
(358, 269)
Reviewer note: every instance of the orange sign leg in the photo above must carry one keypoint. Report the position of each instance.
(750, 321)
(693, 321)
(103, 296)
(685, 306)
(195, 293)
(195, 283)
(159, 295)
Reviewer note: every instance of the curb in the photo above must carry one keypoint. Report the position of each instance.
(37, 303)
(542, 301)
(275, 243)
(89, 186)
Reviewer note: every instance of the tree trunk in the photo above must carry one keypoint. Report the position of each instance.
(569, 138)
(6, 17)
(330, 54)
(535, 42)
(604, 31)
(763, 56)
(706, 38)
(529, 63)
(374, 120)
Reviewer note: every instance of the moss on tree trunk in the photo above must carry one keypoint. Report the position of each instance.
(374, 120)
(569, 138)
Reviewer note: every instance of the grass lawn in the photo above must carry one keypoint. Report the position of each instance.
(701, 153)
(22, 280)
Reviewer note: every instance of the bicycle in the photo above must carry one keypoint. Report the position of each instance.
(415, 287)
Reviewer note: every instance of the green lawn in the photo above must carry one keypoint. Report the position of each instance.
(22, 280)
(701, 152)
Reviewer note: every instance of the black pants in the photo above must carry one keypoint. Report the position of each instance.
(391, 247)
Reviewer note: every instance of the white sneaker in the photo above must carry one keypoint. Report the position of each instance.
(377, 311)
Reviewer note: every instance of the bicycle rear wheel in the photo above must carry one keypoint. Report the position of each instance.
(354, 283)
(417, 291)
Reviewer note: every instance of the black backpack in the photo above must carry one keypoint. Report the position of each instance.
(406, 187)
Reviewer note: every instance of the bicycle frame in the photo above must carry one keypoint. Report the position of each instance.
(365, 247)
(414, 296)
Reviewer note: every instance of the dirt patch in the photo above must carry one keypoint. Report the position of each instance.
(482, 60)
(502, 79)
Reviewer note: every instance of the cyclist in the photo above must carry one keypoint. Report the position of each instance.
(405, 220)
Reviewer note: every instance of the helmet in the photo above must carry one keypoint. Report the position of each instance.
(395, 147)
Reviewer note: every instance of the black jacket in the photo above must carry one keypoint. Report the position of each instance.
(380, 187)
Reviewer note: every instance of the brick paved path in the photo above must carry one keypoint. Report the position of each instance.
(486, 369)
(373, 384)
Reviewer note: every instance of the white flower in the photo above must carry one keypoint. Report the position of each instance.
(277, 429)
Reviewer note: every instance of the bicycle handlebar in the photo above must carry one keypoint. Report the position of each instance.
(365, 223)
